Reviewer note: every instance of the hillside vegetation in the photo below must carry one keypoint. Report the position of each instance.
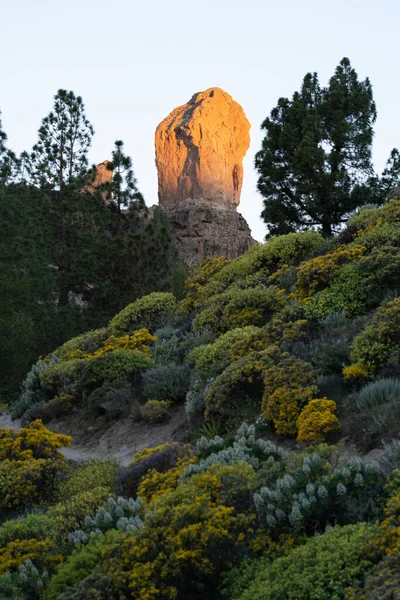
(287, 363)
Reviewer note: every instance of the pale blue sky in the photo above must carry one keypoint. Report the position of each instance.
(133, 62)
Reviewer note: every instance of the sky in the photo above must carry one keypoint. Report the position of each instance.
(134, 62)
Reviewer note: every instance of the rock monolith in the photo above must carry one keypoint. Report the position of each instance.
(199, 151)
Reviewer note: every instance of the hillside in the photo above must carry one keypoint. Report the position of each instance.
(264, 389)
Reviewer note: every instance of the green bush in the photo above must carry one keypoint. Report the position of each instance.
(150, 312)
(374, 345)
(239, 308)
(31, 392)
(118, 363)
(70, 513)
(382, 583)
(63, 378)
(346, 294)
(216, 356)
(168, 382)
(88, 342)
(34, 525)
(81, 563)
(321, 569)
(239, 383)
(91, 474)
(155, 411)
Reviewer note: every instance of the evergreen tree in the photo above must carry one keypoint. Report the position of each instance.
(60, 155)
(315, 162)
(123, 187)
(7, 159)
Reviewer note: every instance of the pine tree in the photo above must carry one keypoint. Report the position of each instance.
(60, 155)
(7, 159)
(123, 187)
(315, 162)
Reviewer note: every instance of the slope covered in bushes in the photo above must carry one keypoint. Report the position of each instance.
(279, 358)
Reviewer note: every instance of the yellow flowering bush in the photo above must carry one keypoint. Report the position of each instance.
(317, 273)
(40, 552)
(139, 340)
(288, 386)
(155, 483)
(316, 420)
(29, 465)
(356, 373)
(197, 280)
(155, 410)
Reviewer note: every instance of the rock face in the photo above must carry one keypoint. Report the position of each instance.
(103, 174)
(201, 230)
(199, 152)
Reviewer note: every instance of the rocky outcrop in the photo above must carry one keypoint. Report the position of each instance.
(202, 230)
(101, 174)
(199, 152)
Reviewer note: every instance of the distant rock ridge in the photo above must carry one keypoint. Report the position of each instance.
(199, 152)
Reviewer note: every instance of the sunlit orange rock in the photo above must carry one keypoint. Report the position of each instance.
(102, 174)
(199, 151)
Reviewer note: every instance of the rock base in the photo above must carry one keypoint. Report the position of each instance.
(202, 230)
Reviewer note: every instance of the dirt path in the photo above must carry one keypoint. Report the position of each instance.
(119, 440)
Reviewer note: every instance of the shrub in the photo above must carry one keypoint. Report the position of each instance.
(241, 380)
(169, 382)
(150, 312)
(33, 526)
(216, 356)
(317, 494)
(198, 278)
(114, 398)
(155, 410)
(374, 345)
(316, 274)
(160, 459)
(263, 260)
(181, 550)
(70, 514)
(244, 448)
(155, 484)
(123, 514)
(139, 340)
(323, 568)
(382, 583)
(17, 552)
(81, 563)
(47, 411)
(115, 364)
(31, 392)
(288, 388)
(239, 308)
(347, 293)
(317, 420)
(380, 391)
(86, 343)
(29, 465)
(373, 414)
(195, 401)
(88, 476)
(63, 378)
